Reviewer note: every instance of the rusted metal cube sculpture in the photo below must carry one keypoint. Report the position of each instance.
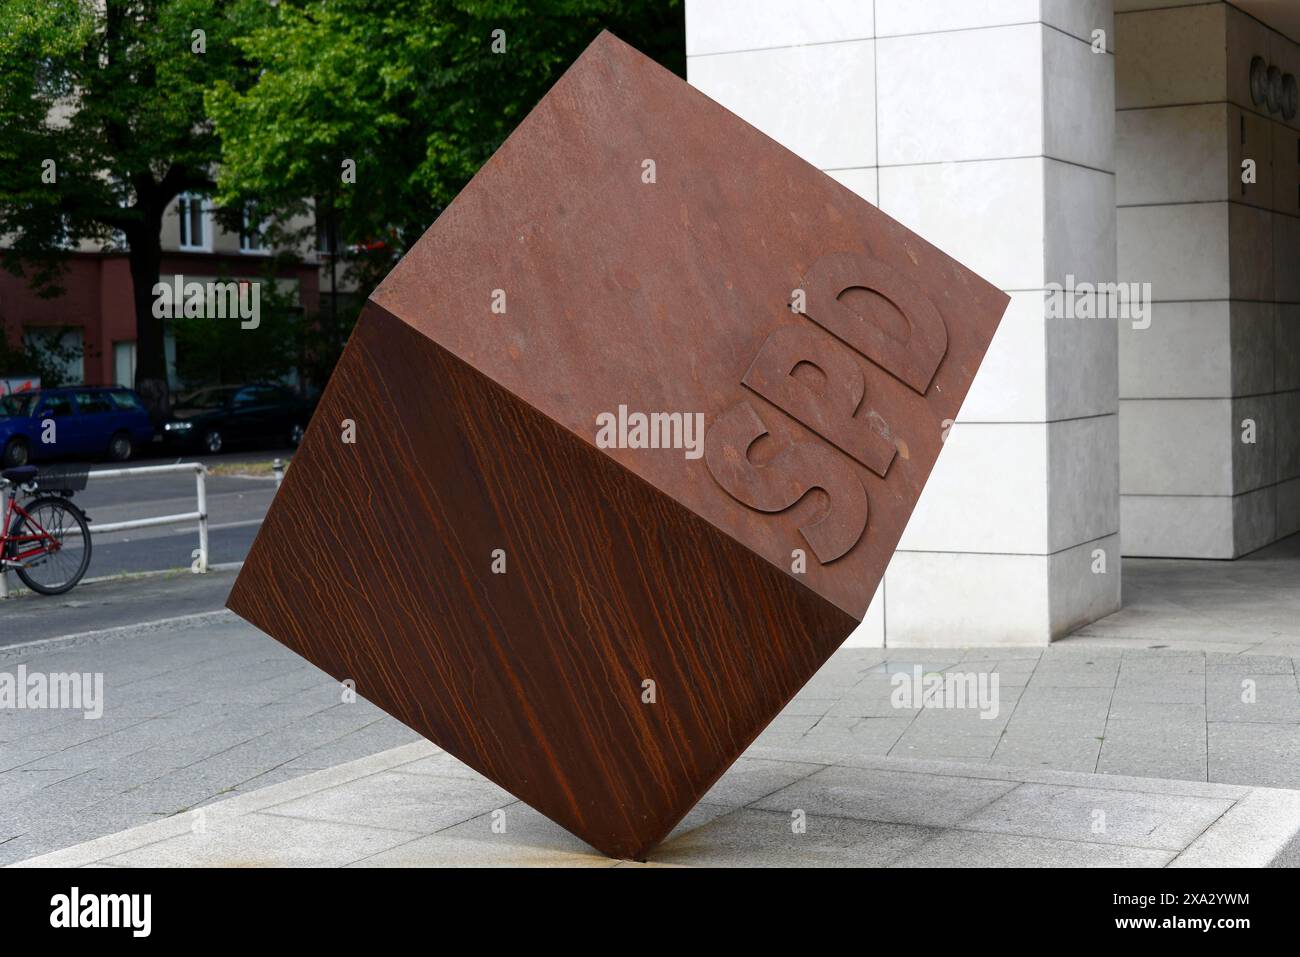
(617, 454)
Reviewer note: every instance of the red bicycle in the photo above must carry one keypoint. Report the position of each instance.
(46, 541)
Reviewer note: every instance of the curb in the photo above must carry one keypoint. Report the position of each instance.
(18, 591)
(119, 631)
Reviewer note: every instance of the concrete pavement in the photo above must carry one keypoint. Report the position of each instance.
(1251, 604)
(194, 709)
(1168, 713)
(1174, 727)
(113, 603)
(414, 806)
(199, 709)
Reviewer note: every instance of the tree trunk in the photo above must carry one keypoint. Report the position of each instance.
(150, 349)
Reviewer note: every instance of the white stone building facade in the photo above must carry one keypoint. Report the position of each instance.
(1040, 143)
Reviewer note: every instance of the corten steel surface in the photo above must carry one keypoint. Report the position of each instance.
(477, 431)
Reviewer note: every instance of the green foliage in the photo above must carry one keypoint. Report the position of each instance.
(219, 351)
(410, 90)
(113, 94)
(43, 354)
(115, 97)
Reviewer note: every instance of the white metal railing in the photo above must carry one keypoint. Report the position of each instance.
(201, 514)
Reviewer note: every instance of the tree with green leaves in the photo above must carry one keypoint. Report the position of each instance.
(380, 111)
(45, 354)
(374, 112)
(102, 125)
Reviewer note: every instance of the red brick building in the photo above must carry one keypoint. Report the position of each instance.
(97, 305)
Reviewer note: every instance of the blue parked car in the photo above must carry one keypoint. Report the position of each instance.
(80, 421)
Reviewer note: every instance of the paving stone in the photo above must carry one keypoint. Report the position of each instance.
(956, 848)
(860, 659)
(1151, 665)
(907, 664)
(17, 727)
(791, 740)
(1155, 748)
(421, 804)
(1259, 827)
(1026, 726)
(1147, 723)
(1170, 687)
(1012, 678)
(752, 779)
(948, 743)
(754, 838)
(1071, 678)
(1069, 651)
(266, 779)
(1161, 821)
(857, 735)
(1156, 692)
(984, 717)
(70, 734)
(439, 850)
(14, 759)
(892, 796)
(441, 765)
(1263, 664)
(371, 739)
(1005, 654)
(1249, 834)
(1053, 704)
(1259, 754)
(794, 723)
(186, 788)
(1124, 708)
(831, 682)
(1276, 698)
(809, 706)
(21, 782)
(867, 706)
(1057, 749)
(63, 830)
(1067, 667)
(521, 826)
(1288, 647)
(261, 840)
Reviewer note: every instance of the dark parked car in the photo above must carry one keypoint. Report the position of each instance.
(213, 418)
(81, 421)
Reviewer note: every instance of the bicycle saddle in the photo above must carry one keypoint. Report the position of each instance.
(20, 475)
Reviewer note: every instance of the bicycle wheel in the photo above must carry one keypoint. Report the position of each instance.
(65, 539)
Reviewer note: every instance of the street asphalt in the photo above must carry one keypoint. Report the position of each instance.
(236, 506)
